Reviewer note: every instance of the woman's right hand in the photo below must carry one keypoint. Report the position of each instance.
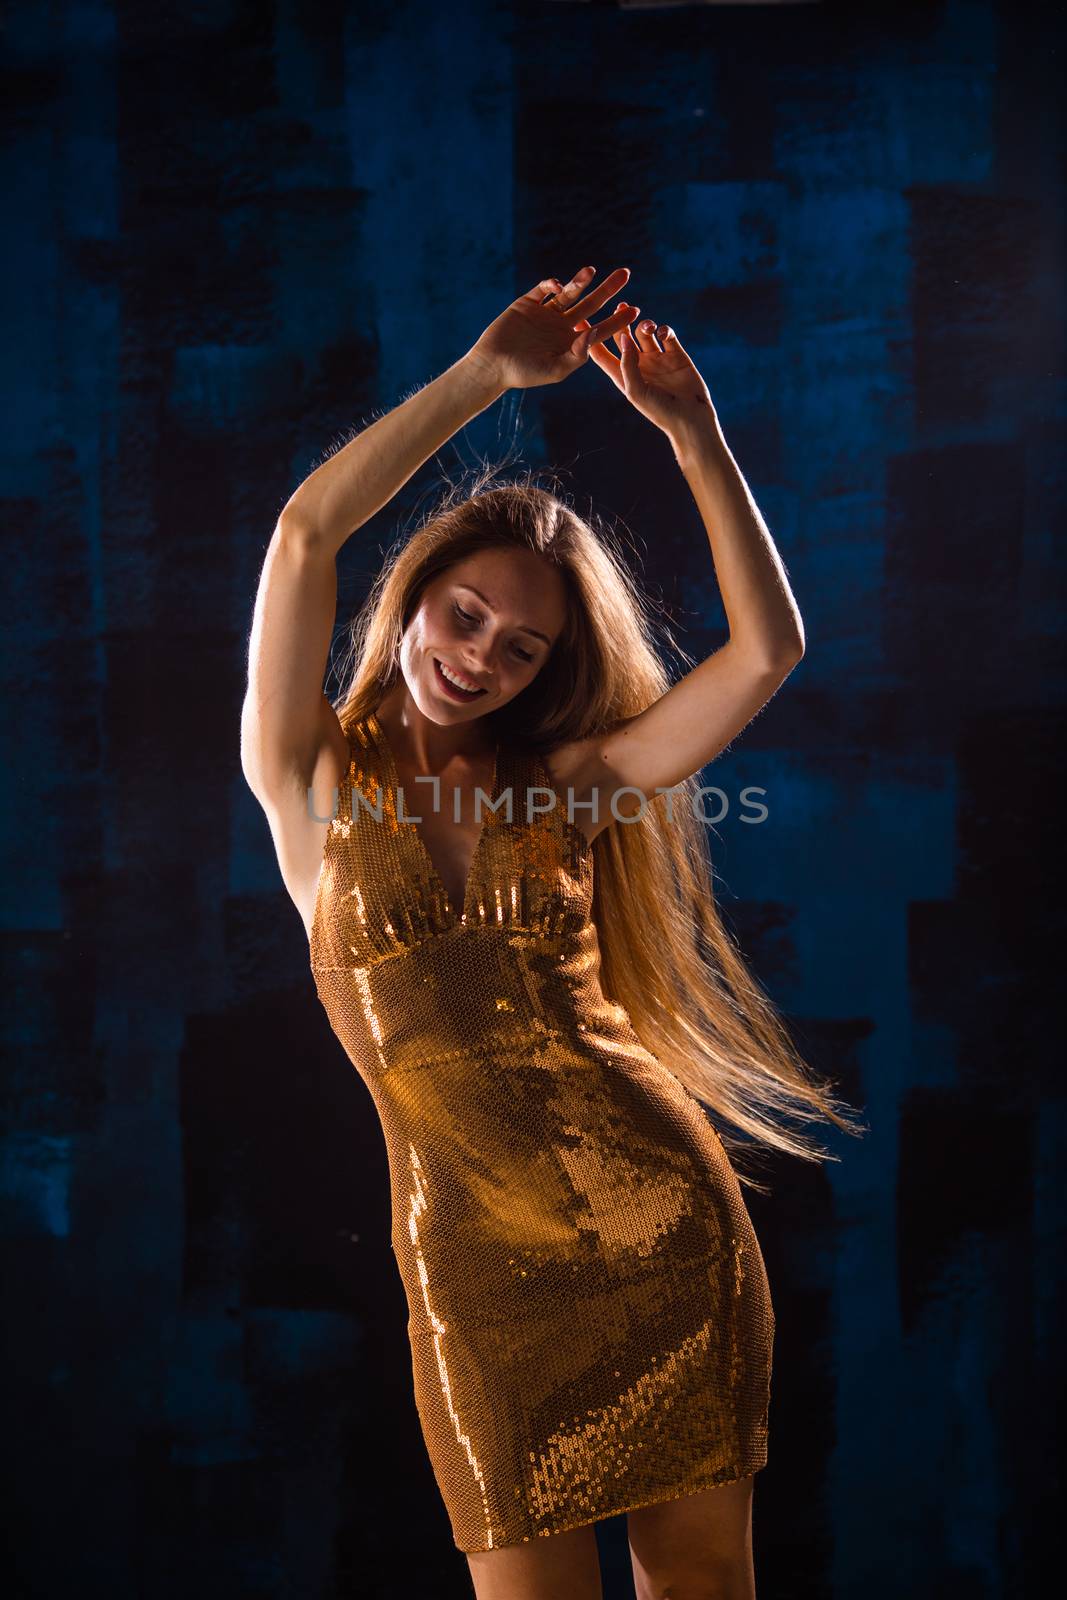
(533, 343)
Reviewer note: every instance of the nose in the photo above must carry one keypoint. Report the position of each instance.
(478, 662)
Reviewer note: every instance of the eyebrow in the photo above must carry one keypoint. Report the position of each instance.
(535, 631)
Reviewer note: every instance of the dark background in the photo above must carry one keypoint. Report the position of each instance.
(235, 233)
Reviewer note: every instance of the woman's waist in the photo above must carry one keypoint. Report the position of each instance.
(431, 1006)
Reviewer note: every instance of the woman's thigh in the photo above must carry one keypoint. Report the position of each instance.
(546, 1568)
(698, 1545)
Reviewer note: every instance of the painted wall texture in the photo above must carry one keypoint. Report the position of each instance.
(237, 232)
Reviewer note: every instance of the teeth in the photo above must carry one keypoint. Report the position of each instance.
(471, 688)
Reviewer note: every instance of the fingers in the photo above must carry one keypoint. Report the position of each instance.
(648, 333)
(656, 339)
(626, 343)
(596, 297)
(542, 290)
(602, 357)
(614, 324)
(568, 295)
(646, 336)
(621, 372)
(631, 351)
(597, 348)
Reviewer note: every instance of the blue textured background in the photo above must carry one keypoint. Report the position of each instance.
(237, 231)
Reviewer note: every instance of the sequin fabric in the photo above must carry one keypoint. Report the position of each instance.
(589, 1314)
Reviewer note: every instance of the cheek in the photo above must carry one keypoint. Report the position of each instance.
(440, 627)
(416, 642)
(427, 629)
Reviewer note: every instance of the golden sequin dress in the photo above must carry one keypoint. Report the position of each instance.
(590, 1320)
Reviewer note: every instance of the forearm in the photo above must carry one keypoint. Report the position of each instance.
(358, 480)
(761, 611)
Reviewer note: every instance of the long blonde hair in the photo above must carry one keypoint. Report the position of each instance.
(667, 959)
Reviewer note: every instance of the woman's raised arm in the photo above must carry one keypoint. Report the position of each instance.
(353, 484)
(287, 725)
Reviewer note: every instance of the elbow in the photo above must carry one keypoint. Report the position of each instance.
(776, 658)
(297, 533)
(788, 648)
(792, 654)
(250, 768)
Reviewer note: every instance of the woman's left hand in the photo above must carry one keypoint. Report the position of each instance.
(657, 376)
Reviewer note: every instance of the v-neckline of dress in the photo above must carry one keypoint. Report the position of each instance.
(382, 739)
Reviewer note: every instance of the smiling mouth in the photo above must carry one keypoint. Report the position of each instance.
(453, 689)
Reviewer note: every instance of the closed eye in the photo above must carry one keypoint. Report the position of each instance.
(466, 618)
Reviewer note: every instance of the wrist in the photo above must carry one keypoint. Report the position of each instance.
(699, 438)
(483, 379)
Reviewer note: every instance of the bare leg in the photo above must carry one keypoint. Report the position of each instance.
(695, 1548)
(546, 1568)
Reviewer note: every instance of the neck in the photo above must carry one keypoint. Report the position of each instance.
(427, 746)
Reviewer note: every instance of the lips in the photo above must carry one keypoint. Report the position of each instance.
(452, 689)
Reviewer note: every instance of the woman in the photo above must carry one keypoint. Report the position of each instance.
(541, 997)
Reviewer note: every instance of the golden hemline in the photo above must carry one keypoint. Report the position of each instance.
(606, 1516)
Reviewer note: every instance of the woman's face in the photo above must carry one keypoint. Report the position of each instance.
(490, 621)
